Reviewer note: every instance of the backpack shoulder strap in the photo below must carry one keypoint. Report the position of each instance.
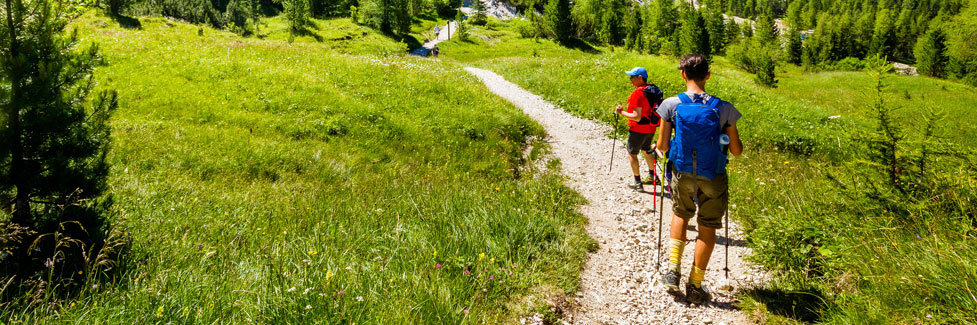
(684, 98)
(714, 102)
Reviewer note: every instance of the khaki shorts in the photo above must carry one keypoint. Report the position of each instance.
(713, 197)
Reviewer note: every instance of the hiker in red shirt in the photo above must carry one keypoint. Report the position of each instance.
(642, 122)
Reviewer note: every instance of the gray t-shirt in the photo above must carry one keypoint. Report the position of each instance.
(728, 115)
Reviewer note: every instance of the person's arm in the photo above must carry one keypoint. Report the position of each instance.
(634, 115)
(735, 145)
(664, 136)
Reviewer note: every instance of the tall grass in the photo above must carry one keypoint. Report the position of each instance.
(801, 188)
(290, 183)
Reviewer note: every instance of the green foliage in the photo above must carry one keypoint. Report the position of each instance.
(315, 196)
(193, 11)
(693, 35)
(116, 7)
(54, 144)
(793, 50)
(756, 57)
(237, 14)
(558, 20)
(479, 18)
(297, 14)
(463, 32)
(354, 14)
(632, 27)
(390, 16)
(931, 58)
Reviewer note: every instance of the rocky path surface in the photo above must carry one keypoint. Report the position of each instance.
(619, 284)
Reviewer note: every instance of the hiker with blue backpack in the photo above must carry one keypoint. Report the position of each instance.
(705, 132)
(642, 122)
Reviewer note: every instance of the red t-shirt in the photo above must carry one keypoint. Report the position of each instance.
(637, 99)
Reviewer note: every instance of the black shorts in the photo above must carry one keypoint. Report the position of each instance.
(639, 141)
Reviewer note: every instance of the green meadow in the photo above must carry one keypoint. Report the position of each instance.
(841, 246)
(318, 181)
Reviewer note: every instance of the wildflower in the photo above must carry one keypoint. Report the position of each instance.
(465, 311)
(307, 307)
(159, 311)
(359, 298)
(491, 277)
(497, 189)
(200, 246)
(467, 272)
(48, 263)
(500, 281)
(313, 252)
(340, 293)
(918, 237)
(492, 261)
(292, 289)
(513, 266)
(437, 266)
(349, 268)
(306, 291)
(94, 287)
(481, 256)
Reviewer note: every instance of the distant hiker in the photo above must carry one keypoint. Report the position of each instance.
(435, 51)
(642, 121)
(697, 158)
(437, 30)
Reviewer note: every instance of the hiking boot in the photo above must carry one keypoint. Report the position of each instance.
(636, 186)
(670, 279)
(696, 295)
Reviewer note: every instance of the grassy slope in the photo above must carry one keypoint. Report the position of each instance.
(780, 190)
(289, 183)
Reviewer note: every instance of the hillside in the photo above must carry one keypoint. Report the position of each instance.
(272, 182)
(844, 244)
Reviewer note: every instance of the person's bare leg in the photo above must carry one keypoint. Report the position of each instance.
(635, 165)
(678, 228)
(704, 245)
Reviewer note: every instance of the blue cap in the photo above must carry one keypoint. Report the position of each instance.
(638, 71)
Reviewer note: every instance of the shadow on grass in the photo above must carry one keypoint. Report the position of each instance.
(806, 306)
(127, 22)
(580, 45)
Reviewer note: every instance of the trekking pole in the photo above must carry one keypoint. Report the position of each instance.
(726, 217)
(661, 212)
(613, 145)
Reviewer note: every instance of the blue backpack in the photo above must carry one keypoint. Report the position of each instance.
(696, 148)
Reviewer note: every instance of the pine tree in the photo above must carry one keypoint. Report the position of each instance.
(297, 14)
(931, 56)
(793, 50)
(693, 37)
(717, 32)
(557, 16)
(610, 26)
(54, 143)
(633, 26)
(766, 29)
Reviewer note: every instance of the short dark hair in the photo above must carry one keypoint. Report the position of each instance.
(695, 66)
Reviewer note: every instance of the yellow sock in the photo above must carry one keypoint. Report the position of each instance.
(675, 249)
(697, 276)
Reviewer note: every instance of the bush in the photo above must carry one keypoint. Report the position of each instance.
(193, 11)
(757, 58)
(236, 16)
(117, 6)
(848, 64)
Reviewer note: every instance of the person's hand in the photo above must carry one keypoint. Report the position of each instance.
(618, 109)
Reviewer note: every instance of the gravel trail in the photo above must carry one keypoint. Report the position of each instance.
(619, 284)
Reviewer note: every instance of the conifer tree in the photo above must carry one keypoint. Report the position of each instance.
(54, 140)
(931, 57)
(557, 16)
(693, 37)
(793, 50)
